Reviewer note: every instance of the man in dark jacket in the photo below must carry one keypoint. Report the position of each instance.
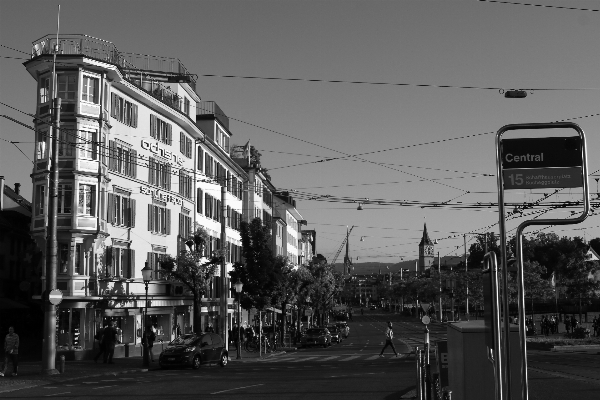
(98, 339)
(109, 339)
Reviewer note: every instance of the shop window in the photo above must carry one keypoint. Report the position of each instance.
(68, 329)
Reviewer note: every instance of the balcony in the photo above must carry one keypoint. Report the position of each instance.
(134, 67)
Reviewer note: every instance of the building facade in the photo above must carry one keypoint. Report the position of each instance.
(142, 163)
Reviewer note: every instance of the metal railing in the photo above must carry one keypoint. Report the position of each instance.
(427, 388)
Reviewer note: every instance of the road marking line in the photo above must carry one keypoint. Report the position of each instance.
(305, 359)
(50, 387)
(349, 358)
(56, 394)
(243, 387)
(103, 387)
(372, 357)
(328, 358)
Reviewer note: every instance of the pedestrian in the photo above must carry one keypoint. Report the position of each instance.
(11, 351)
(567, 324)
(98, 339)
(148, 341)
(109, 339)
(389, 335)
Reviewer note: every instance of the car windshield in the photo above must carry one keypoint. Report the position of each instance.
(315, 331)
(183, 340)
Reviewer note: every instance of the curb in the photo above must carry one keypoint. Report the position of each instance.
(575, 348)
(28, 384)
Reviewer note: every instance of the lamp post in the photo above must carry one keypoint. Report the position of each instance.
(238, 289)
(146, 276)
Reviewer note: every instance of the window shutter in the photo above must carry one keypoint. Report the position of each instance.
(132, 212)
(133, 161)
(199, 201)
(181, 142)
(150, 219)
(153, 126)
(218, 211)
(113, 105)
(168, 222)
(169, 134)
(228, 220)
(134, 112)
(181, 225)
(200, 158)
(131, 264)
(110, 211)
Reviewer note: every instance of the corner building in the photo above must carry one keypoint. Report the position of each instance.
(141, 161)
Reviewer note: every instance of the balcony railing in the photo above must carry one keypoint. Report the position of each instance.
(133, 65)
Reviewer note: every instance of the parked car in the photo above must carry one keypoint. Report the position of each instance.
(316, 337)
(344, 328)
(192, 350)
(336, 334)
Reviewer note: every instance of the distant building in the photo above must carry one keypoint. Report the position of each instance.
(426, 251)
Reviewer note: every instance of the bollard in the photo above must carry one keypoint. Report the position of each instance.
(61, 364)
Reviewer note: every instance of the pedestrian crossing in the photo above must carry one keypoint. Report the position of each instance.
(338, 358)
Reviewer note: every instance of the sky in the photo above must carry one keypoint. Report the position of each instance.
(398, 141)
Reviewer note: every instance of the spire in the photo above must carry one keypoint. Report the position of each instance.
(425, 239)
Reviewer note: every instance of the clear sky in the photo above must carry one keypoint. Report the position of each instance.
(443, 137)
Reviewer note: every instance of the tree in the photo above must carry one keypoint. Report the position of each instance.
(325, 284)
(194, 270)
(535, 285)
(477, 249)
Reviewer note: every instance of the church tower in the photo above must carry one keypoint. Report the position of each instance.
(426, 254)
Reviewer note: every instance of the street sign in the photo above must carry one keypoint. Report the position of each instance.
(538, 163)
(425, 306)
(426, 320)
(55, 297)
(536, 178)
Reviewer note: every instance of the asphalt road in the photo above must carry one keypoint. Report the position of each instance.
(350, 370)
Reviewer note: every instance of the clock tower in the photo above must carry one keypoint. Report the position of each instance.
(426, 254)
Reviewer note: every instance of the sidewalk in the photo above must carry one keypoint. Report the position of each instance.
(30, 374)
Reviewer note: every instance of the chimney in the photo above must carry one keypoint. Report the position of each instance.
(17, 188)
(1, 193)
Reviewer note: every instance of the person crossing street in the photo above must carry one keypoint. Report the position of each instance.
(389, 336)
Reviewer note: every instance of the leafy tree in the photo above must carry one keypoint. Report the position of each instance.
(477, 249)
(326, 283)
(194, 270)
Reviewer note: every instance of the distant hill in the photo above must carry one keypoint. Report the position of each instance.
(367, 268)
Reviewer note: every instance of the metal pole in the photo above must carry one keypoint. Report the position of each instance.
(466, 279)
(440, 274)
(239, 338)
(146, 360)
(427, 366)
(224, 286)
(496, 351)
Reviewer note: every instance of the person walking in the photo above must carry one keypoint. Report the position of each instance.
(389, 335)
(109, 339)
(11, 351)
(148, 341)
(98, 339)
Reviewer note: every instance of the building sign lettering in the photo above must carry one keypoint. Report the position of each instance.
(155, 148)
(161, 195)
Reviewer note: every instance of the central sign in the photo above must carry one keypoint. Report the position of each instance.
(538, 163)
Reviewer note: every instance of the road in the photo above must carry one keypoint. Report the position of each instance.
(350, 370)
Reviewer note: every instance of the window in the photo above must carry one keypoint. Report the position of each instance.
(185, 145)
(185, 184)
(159, 219)
(89, 91)
(153, 260)
(122, 158)
(124, 111)
(212, 207)
(88, 146)
(40, 199)
(121, 261)
(185, 230)
(159, 174)
(41, 146)
(45, 90)
(105, 95)
(121, 210)
(87, 200)
(67, 87)
(65, 198)
(208, 165)
(66, 143)
(161, 130)
(78, 264)
(63, 257)
(186, 106)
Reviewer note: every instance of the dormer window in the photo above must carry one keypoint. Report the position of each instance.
(222, 139)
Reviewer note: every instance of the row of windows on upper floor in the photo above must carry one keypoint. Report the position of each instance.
(68, 87)
(119, 208)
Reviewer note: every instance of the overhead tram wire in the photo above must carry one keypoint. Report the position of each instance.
(514, 3)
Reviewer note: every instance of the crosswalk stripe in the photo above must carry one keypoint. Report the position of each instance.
(304, 359)
(328, 358)
(280, 359)
(373, 357)
(349, 358)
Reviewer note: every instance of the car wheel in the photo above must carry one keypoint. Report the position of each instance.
(224, 359)
(196, 362)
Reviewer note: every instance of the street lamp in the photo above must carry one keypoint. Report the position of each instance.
(146, 276)
(238, 289)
